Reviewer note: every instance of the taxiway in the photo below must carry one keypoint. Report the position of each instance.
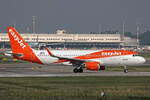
(35, 70)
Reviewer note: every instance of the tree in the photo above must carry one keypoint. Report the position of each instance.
(145, 38)
(129, 34)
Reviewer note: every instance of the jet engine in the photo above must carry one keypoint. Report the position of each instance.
(94, 66)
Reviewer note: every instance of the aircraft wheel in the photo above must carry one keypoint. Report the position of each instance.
(126, 70)
(75, 70)
(80, 70)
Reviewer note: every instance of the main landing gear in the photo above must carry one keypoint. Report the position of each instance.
(125, 69)
(78, 70)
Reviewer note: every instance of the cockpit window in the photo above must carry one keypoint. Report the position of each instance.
(135, 55)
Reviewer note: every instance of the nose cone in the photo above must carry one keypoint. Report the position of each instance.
(142, 60)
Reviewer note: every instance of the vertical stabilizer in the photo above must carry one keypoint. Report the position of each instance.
(18, 44)
(20, 47)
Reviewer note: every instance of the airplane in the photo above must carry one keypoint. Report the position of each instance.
(94, 60)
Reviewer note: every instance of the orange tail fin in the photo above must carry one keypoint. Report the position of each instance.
(20, 47)
(18, 44)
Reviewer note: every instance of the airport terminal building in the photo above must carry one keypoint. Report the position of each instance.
(62, 39)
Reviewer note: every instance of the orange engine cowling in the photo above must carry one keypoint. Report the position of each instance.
(92, 66)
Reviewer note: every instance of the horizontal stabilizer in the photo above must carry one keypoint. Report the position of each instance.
(9, 53)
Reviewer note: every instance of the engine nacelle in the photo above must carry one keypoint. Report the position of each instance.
(94, 66)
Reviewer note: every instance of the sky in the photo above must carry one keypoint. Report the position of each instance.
(76, 16)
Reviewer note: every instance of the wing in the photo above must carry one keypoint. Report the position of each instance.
(72, 60)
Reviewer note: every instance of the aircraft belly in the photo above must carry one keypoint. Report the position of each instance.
(48, 59)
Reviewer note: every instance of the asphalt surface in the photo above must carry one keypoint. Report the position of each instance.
(35, 70)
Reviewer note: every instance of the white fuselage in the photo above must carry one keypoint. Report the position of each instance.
(121, 60)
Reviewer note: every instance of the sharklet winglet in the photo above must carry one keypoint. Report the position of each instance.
(49, 51)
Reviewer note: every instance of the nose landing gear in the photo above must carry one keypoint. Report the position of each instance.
(125, 69)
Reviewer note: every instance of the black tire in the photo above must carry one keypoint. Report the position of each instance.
(75, 70)
(125, 70)
(80, 70)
